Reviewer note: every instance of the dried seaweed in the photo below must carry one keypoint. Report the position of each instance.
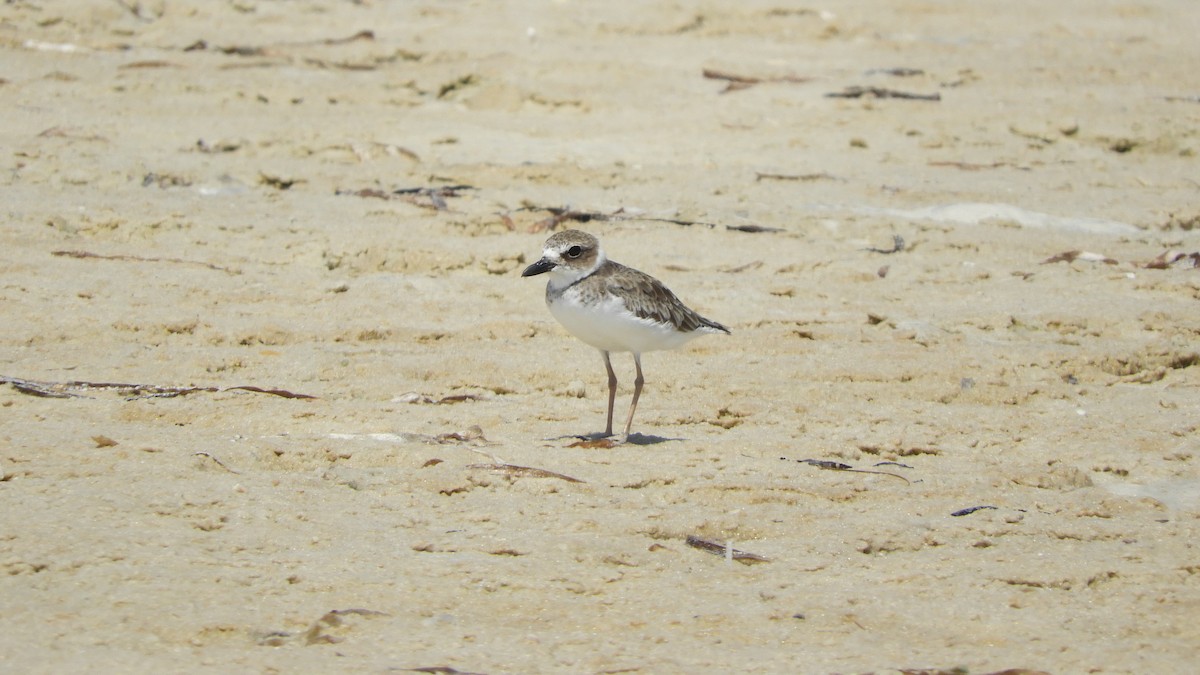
(165, 180)
(752, 229)
(969, 166)
(524, 471)
(153, 63)
(218, 147)
(1086, 256)
(436, 195)
(214, 459)
(825, 464)
(74, 389)
(274, 392)
(319, 631)
(803, 177)
(560, 215)
(830, 465)
(897, 246)
(736, 269)
(882, 92)
(896, 72)
(968, 511)
(70, 133)
(1175, 259)
(278, 182)
(725, 550)
(272, 49)
(137, 258)
(414, 398)
(141, 11)
(470, 434)
(1169, 259)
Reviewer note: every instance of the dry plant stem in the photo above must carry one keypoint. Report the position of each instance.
(214, 458)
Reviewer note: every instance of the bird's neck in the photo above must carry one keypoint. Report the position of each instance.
(563, 277)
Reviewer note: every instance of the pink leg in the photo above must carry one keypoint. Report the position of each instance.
(612, 392)
(637, 391)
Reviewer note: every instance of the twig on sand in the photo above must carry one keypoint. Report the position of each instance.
(138, 258)
(735, 82)
(214, 458)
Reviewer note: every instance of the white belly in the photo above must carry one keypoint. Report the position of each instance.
(610, 327)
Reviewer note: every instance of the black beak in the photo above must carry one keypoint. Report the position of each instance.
(540, 267)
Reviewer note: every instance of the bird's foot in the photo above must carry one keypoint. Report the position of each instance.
(605, 440)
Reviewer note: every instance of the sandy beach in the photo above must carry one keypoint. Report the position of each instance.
(274, 396)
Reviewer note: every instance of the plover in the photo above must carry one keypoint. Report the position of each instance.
(613, 308)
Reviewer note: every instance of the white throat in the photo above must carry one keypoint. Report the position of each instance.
(564, 274)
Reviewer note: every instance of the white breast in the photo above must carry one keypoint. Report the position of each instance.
(607, 325)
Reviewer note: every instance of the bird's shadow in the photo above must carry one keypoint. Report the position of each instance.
(633, 439)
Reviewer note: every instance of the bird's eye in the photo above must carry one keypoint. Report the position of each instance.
(574, 252)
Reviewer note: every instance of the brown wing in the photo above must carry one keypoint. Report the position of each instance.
(648, 298)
